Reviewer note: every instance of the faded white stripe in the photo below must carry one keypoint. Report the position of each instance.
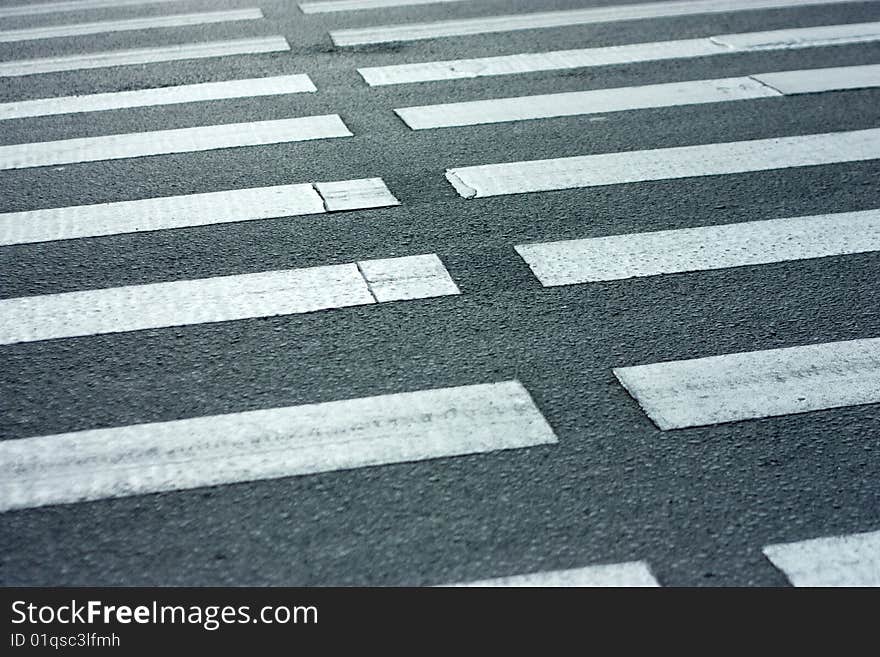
(191, 210)
(356, 5)
(822, 79)
(411, 277)
(852, 560)
(269, 444)
(161, 142)
(144, 56)
(629, 574)
(544, 106)
(83, 29)
(564, 18)
(217, 299)
(665, 163)
(743, 386)
(698, 249)
(806, 37)
(355, 194)
(72, 5)
(190, 93)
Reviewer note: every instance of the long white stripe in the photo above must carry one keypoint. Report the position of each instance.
(190, 93)
(743, 386)
(269, 444)
(822, 79)
(806, 37)
(161, 142)
(83, 29)
(852, 560)
(497, 110)
(72, 5)
(564, 18)
(144, 56)
(629, 574)
(220, 299)
(698, 249)
(192, 210)
(665, 163)
(325, 6)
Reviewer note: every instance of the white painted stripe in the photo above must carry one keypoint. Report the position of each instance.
(852, 560)
(356, 5)
(269, 444)
(630, 574)
(807, 37)
(497, 110)
(144, 56)
(72, 5)
(744, 386)
(191, 210)
(665, 163)
(83, 29)
(190, 93)
(822, 79)
(412, 277)
(161, 142)
(217, 299)
(355, 194)
(564, 18)
(699, 249)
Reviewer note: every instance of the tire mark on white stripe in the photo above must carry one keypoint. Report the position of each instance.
(269, 444)
(757, 384)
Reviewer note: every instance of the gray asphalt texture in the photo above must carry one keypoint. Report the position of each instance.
(696, 504)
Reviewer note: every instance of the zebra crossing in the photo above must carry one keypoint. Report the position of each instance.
(487, 416)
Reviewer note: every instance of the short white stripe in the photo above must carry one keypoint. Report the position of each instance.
(522, 108)
(269, 444)
(530, 21)
(72, 5)
(807, 37)
(744, 386)
(83, 29)
(144, 56)
(356, 5)
(192, 210)
(190, 93)
(665, 163)
(852, 560)
(412, 277)
(822, 79)
(218, 299)
(698, 249)
(355, 194)
(161, 142)
(629, 574)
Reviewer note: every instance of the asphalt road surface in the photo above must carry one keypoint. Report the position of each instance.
(249, 474)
